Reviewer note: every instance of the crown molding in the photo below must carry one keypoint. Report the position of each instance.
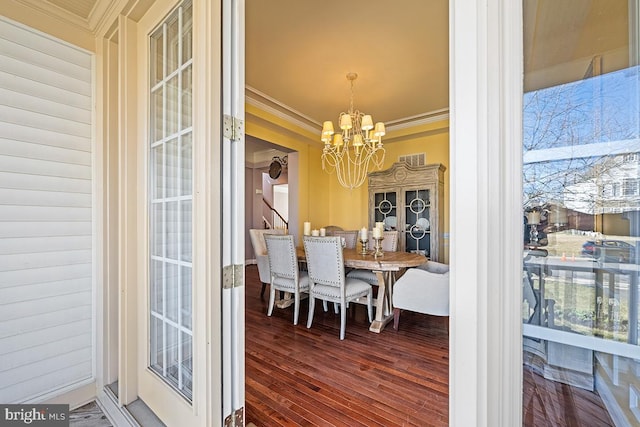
(420, 119)
(272, 106)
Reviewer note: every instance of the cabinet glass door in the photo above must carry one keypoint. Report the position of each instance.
(417, 224)
(385, 209)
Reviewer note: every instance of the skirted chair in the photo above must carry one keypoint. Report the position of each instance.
(424, 289)
(285, 275)
(327, 280)
(260, 251)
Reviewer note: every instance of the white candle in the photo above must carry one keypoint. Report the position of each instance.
(323, 232)
(315, 232)
(380, 226)
(307, 229)
(364, 233)
(377, 233)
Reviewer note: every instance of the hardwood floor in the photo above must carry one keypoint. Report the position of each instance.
(300, 376)
(307, 377)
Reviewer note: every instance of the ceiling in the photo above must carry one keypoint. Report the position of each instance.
(298, 53)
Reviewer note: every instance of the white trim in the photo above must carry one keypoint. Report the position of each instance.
(75, 394)
(232, 165)
(610, 148)
(485, 372)
(418, 120)
(272, 106)
(583, 341)
(117, 415)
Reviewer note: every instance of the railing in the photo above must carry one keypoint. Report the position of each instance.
(274, 220)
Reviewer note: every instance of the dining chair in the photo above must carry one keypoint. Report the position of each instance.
(260, 252)
(327, 279)
(350, 237)
(389, 244)
(285, 275)
(330, 229)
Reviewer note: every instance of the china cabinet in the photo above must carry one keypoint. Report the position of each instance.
(410, 199)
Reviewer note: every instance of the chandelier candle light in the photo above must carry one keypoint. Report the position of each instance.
(355, 147)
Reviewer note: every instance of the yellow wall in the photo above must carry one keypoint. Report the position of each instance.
(322, 200)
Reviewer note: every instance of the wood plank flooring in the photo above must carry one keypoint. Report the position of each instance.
(307, 377)
(300, 376)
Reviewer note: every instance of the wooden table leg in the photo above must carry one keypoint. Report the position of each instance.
(382, 317)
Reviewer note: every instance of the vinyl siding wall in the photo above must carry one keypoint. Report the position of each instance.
(46, 269)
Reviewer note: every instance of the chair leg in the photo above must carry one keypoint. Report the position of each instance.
(396, 318)
(312, 304)
(343, 318)
(325, 305)
(272, 300)
(335, 307)
(264, 286)
(370, 305)
(296, 307)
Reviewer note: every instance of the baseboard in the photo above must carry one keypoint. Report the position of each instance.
(75, 395)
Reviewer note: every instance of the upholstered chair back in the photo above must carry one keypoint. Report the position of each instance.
(350, 237)
(325, 262)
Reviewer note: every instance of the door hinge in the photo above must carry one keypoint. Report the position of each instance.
(236, 419)
(233, 127)
(232, 276)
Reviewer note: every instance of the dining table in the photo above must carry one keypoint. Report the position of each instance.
(387, 268)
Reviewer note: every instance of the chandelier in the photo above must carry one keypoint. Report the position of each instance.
(357, 146)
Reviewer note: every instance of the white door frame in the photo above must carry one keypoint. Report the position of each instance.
(232, 224)
(485, 373)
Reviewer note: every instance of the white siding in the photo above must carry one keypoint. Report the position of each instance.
(46, 283)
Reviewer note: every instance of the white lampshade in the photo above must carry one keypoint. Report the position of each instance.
(379, 130)
(367, 122)
(533, 217)
(327, 128)
(337, 140)
(357, 140)
(345, 122)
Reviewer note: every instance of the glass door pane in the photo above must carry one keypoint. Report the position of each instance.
(171, 196)
(581, 213)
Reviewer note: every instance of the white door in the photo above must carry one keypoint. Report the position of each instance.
(185, 357)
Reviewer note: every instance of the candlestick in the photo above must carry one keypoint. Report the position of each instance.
(364, 241)
(377, 246)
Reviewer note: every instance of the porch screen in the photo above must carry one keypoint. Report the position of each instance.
(46, 289)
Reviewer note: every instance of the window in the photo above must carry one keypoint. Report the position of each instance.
(630, 187)
(171, 196)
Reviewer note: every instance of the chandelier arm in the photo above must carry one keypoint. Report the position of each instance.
(354, 150)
